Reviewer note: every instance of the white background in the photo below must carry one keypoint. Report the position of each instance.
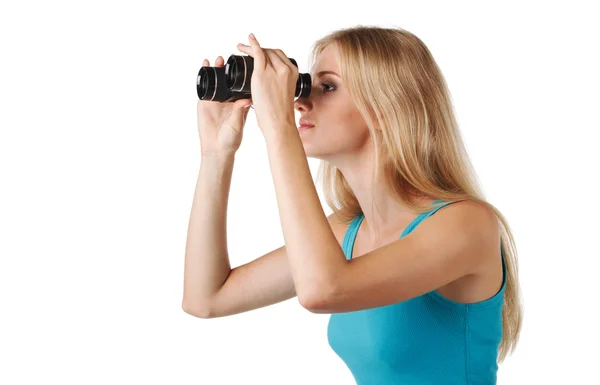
(99, 155)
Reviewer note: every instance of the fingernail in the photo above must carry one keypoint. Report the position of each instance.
(252, 36)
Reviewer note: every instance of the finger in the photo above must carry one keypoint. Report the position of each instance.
(205, 63)
(244, 48)
(284, 59)
(219, 62)
(260, 59)
(248, 50)
(241, 103)
(275, 60)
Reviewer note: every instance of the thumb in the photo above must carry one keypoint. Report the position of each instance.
(240, 109)
(239, 112)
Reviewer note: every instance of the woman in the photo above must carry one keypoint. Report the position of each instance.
(414, 298)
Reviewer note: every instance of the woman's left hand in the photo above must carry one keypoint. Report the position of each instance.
(273, 86)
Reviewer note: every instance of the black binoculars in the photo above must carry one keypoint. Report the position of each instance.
(232, 82)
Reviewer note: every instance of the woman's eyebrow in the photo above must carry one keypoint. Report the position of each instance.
(326, 72)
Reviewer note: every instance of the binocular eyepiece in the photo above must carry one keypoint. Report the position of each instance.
(232, 82)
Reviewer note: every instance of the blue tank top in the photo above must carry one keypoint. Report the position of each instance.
(428, 339)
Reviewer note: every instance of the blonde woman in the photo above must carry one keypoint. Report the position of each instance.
(417, 270)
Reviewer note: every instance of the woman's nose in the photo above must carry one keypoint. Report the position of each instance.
(302, 104)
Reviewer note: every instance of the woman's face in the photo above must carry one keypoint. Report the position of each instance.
(338, 126)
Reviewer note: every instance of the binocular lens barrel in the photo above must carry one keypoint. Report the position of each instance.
(238, 72)
(206, 83)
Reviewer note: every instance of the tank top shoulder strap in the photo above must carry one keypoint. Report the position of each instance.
(421, 217)
(350, 236)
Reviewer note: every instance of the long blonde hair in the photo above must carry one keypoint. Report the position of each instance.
(403, 97)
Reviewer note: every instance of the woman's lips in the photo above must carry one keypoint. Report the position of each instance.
(305, 127)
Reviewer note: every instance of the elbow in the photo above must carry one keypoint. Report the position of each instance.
(305, 302)
(316, 302)
(196, 311)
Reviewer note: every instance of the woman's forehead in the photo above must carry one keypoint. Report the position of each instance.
(326, 62)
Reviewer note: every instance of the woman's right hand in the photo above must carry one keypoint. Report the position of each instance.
(220, 125)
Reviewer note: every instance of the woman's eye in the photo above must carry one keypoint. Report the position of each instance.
(327, 87)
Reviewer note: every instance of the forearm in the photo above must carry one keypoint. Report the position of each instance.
(313, 251)
(207, 264)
